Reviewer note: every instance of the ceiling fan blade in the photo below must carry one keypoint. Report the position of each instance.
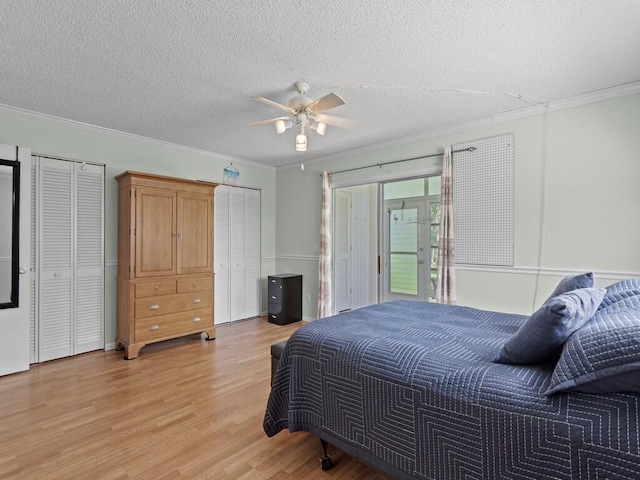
(325, 103)
(264, 122)
(335, 121)
(274, 104)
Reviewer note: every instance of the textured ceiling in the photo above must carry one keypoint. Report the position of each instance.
(185, 71)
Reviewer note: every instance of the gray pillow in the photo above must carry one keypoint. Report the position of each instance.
(540, 337)
(572, 282)
(604, 355)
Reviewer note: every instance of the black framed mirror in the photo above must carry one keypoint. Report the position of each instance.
(9, 232)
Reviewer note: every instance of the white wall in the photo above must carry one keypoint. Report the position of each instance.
(125, 152)
(576, 203)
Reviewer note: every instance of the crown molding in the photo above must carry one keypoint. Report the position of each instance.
(87, 127)
(556, 105)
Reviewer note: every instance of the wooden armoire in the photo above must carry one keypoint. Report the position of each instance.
(165, 259)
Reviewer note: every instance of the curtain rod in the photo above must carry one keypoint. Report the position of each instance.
(469, 149)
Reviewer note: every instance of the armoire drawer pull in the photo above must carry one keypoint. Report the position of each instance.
(156, 288)
(196, 319)
(196, 300)
(154, 307)
(154, 327)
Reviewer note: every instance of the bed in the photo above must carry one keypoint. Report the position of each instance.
(412, 389)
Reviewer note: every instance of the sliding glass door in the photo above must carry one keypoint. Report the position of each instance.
(385, 242)
(410, 225)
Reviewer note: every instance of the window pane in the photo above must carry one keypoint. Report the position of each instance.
(434, 258)
(403, 271)
(404, 189)
(435, 232)
(434, 185)
(434, 212)
(403, 230)
(432, 284)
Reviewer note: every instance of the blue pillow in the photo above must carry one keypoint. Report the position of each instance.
(603, 356)
(541, 336)
(572, 282)
(621, 295)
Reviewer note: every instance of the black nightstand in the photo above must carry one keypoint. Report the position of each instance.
(285, 298)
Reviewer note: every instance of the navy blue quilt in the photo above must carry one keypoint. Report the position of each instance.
(410, 388)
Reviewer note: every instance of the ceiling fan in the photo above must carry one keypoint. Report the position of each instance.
(304, 112)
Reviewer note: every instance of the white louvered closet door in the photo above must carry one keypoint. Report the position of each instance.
(221, 255)
(33, 303)
(89, 255)
(68, 251)
(252, 256)
(55, 250)
(237, 255)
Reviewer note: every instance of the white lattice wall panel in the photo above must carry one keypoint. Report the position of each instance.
(483, 198)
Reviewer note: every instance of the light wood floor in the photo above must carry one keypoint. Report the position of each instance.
(185, 408)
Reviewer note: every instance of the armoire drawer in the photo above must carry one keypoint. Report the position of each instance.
(164, 305)
(152, 289)
(174, 325)
(196, 284)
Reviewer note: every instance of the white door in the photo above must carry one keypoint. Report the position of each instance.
(55, 259)
(237, 281)
(405, 249)
(221, 255)
(14, 321)
(342, 251)
(252, 254)
(69, 257)
(237, 256)
(89, 258)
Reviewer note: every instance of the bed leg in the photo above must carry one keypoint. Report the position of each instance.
(326, 461)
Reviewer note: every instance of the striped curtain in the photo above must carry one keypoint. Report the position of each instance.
(446, 286)
(324, 267)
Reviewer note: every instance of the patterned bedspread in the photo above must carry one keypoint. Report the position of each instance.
(410, 388)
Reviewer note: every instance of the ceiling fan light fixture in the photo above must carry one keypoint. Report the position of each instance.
(282, 125)
(304, 112)
(301, 143)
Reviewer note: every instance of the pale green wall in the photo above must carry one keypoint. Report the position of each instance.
(119, 153)
(590, 158)
(591, 221)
